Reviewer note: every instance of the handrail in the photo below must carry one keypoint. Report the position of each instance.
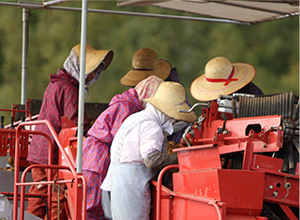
(17, 110)
(69, 166)
(159, 187)
(53, 133)
(17, 163)
(22, 184)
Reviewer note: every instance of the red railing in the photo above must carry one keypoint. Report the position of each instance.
(77, 181)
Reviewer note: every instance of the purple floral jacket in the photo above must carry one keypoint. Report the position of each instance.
(96, 148)
(60, 99)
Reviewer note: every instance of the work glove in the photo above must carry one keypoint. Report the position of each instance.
(158, 160)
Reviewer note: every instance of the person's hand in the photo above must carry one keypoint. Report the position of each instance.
(172, 145)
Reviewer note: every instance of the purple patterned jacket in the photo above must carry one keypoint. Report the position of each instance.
(96, 148)
(60, 99)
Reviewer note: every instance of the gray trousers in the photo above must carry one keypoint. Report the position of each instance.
(106, 204)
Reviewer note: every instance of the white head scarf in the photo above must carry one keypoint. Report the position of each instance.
(72, 65)
(165, 121)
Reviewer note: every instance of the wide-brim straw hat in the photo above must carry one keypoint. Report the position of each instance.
(221, 78)
(145, 63)
(169, 98)
(94, 57)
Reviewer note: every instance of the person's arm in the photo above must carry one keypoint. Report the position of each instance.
(158, 160)
(151, 144)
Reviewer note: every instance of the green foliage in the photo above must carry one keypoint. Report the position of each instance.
(272, 47)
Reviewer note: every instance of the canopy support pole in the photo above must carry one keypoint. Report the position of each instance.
(81, 85)
(25, 20)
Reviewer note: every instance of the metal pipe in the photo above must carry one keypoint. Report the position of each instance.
(200, 199)
(233, 106)
(84, 193)
(23, 183)
(138, 3)
(81, 85)
(193, 107)
(54, 2)
(296, 144)
(159, 189)
(296, 112)
(24, 54)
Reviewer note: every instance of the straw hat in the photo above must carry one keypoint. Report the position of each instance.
(145, 63)
(169, 98)
(221, 78)
(94, 57)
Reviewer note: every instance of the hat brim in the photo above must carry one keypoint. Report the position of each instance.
(173, 111)
(96, 57)
(133, 77)
(203, 90)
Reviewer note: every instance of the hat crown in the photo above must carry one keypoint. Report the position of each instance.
(170, 97)
(89, 50)
(171, 93)
(218, 68)
(145, 59)
(94, 57)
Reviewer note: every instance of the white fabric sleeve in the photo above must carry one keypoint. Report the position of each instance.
(151, 138)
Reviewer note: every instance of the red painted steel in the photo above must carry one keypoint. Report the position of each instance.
(69, 142)
(265, 140)
(242, 191)
(236, 194)
(289, 213)
(79, 183)
(193, 158)
(201, 188)
(267, 132)
(280, 188)
(3, 142)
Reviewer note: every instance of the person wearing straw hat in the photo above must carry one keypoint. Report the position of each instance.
(61, 99)
(136, 152)
(96, 146)
(145, 62)
(222, 77)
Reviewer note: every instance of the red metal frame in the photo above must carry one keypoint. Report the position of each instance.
(280, 188)
(201, 189)
(78, 181)
(201, 181)
(69, 142)
(14, 110)
(7, 138)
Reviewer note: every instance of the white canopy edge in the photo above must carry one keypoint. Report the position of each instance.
(251, 11)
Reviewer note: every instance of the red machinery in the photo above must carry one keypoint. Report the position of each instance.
(231, 168)
(16, 135)
(230, 171)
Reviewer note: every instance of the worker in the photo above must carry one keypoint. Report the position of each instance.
(136, 152)
(145, 62)
(96, 147)
(60, 99)
(143, 79)
(223, 78)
